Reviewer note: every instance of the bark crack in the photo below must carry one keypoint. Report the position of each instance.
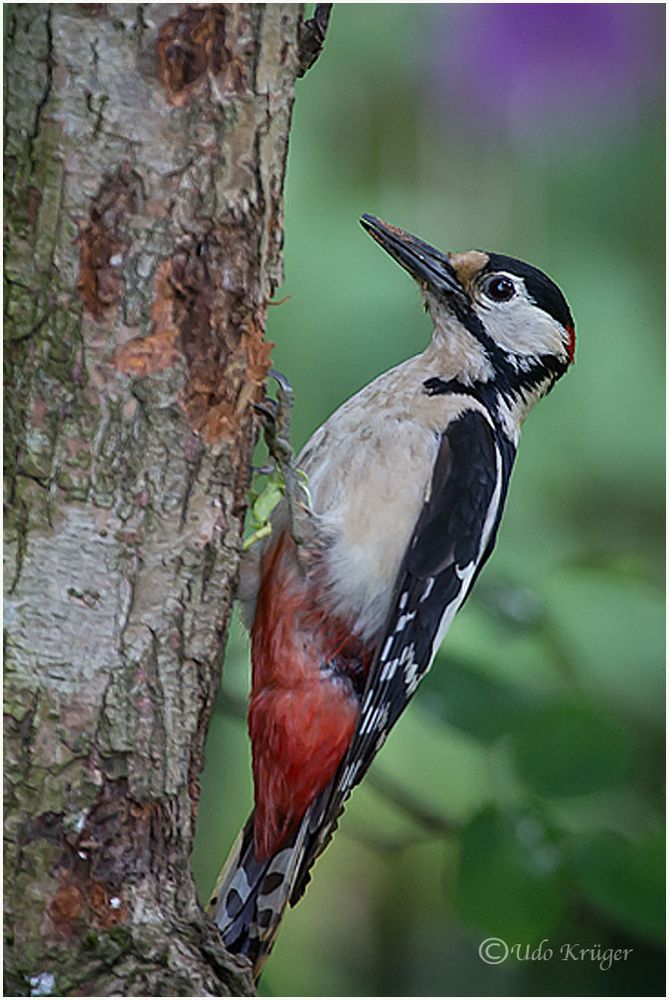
(48, 85)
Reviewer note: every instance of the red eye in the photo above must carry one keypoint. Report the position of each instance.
(499, 288)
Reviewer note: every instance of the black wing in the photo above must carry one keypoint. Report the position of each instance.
(454, 535)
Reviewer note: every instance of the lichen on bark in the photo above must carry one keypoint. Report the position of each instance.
(145, 154)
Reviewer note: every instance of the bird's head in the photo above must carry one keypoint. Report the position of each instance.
(502, 318)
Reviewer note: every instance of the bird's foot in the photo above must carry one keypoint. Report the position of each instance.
(275, 415)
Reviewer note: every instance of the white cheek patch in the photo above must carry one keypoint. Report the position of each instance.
(519, 325)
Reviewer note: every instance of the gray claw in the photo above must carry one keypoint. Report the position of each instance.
(281, 381)
(267, 410)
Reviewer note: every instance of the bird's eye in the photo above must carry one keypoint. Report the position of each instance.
(499, 289)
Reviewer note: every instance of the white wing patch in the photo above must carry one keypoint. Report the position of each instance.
(403, 621)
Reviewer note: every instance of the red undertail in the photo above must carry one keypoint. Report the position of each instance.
(304, 706)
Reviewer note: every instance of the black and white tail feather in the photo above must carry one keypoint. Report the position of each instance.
(250, 896)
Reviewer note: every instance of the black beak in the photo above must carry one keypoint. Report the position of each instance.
(429, 266)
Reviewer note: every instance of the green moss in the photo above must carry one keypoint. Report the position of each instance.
(91, 940)
(32, 511)
(20, 310)
(76, 488)
(19, 701)
(37, 456)
(48, 179)
(121, 938)
(229, 113)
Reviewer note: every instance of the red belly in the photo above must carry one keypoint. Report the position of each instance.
(304, 706)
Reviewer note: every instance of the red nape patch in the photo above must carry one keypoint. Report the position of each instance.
(302, 717)
(571, 343)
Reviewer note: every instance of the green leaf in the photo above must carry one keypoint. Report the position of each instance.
(569, 749)
(624, 879)
(508, 879)
(257, 536)
(266, 501)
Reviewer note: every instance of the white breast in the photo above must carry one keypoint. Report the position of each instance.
(368, 488)
(370, 469)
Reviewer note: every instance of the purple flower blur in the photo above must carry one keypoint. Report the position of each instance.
(532, 67)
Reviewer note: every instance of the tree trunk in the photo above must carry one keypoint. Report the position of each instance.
(145, 155)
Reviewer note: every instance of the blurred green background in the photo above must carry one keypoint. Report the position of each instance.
(520, 796)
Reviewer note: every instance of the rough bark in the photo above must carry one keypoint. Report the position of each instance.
(145, 154)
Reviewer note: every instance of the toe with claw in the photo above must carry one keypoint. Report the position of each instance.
(275, 415)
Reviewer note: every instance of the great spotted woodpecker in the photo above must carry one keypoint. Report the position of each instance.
(408, 481)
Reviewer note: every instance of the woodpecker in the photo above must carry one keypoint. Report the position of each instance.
(351, 596)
